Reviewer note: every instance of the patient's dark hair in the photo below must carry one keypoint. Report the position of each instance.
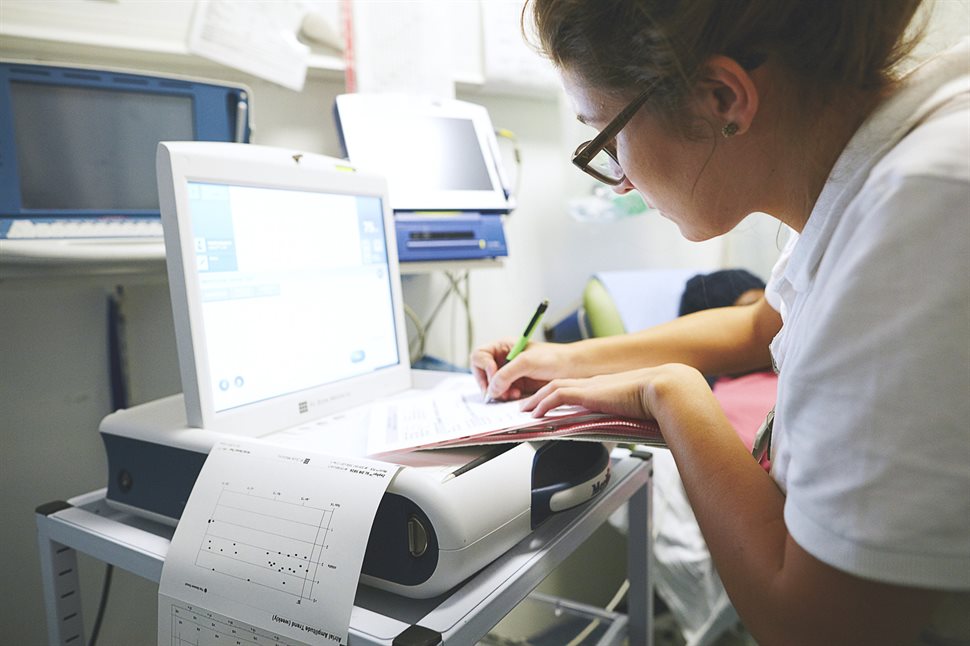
(825, 46)
(717, 289)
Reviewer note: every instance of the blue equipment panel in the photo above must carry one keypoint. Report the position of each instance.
(78, 144)
(449, 236)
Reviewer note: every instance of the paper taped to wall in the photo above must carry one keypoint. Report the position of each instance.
(259, 38)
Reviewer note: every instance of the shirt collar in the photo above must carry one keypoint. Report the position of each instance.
(882, 130)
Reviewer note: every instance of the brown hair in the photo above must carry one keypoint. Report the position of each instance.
(620, 46)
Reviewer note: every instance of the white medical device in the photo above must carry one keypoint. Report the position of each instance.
(289, 320)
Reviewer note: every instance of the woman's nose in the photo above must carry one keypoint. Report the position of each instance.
(625, 186)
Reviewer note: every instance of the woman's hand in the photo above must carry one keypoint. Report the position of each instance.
(526, 373)
(647, 393)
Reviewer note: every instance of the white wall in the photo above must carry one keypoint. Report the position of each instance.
(54, 390)
(53, 349)
(551, 256)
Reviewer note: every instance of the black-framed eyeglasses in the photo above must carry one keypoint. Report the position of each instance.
(597, 157)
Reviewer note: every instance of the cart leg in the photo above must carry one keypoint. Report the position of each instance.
(62, 589)
(639, 566)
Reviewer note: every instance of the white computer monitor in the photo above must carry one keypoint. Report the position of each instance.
(284, 281)
(438, 155)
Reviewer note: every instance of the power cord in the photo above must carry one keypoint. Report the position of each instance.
(420, 334)
(117, 350)
(508, 135)
(422, 328)
(120, 395)
(466, 304)
(492, 639)
(418, 343)
(611, 606)
(105, 589)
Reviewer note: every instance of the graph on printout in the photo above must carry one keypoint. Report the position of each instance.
(266, 539)
(192, 626)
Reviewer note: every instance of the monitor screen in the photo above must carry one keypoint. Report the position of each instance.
(437, 155)
(426, 152)
(91, 148)
(295, 288)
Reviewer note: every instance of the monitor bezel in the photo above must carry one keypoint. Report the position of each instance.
(216, 106)
(178, 164)
(355, 115)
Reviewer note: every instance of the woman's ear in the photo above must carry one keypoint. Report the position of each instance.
(726, 94)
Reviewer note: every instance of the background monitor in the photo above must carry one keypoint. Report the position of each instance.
(80, 143)
(437, 155)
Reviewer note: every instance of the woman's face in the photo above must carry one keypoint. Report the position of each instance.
(692, 182)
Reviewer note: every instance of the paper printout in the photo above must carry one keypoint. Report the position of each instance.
(269, 548)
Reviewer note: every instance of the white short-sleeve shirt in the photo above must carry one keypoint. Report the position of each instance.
(871, 438)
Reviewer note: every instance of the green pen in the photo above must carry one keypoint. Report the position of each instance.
(523, 340)
(529, 329)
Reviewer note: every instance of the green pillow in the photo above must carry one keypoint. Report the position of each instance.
(601, 313)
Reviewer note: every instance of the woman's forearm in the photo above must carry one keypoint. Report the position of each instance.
(783, 594)
(718, 341)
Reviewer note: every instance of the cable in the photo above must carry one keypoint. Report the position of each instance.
(431, 318)
(120, 393)
(419, 329)
(517, 157)
(118, 351)
(498, 640)
(464, 297)
(491, 639)
(469, 327)
(105, 589)
(611, 606)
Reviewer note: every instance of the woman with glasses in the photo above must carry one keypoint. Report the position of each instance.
(714, 109)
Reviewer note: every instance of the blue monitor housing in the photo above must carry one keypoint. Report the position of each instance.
(78, 144)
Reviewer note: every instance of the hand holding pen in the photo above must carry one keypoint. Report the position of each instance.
(523, 340)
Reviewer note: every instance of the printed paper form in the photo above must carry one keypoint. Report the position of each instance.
(454, 409)
(269, 548)
(345, 433)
